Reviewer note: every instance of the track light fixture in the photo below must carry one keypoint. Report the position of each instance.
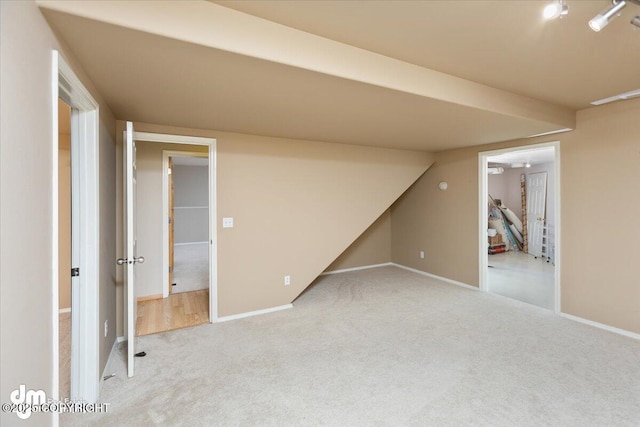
(602, 19)
(559, 9)
(554, 10)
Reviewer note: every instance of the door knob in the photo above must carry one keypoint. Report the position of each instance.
(122, 261)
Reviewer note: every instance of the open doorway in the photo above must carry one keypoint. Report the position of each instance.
(146, 230)
(520, 213)
(188, 223)
(173, 205)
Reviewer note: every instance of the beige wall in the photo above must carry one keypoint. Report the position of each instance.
(506, 187)
(107, 267)
(600, 208)
(499, 187)
(372, 247)
(443, 224)
(297, 205)
(149, 214)
(64, 207)
(26, 207)
(600, 177)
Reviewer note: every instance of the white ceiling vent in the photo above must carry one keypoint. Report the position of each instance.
(622, 96)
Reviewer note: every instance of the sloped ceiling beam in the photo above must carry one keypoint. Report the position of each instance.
(211, 25)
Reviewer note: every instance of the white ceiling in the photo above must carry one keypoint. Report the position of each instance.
(533, 156)
(200, 65)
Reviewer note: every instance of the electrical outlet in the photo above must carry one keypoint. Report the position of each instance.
(106, 328)
(287, 280)
(422, 254)
(227, 222)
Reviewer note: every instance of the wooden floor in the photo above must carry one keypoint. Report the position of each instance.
(179, 310)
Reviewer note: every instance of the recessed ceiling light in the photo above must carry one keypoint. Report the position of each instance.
(622, 96)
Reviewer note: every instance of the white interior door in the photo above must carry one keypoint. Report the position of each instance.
(536, 210)
(131, 257)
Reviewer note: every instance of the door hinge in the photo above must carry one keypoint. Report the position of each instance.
(75, 272)
(169, 220)
(170, 269)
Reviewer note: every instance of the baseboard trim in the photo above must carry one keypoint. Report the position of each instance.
(364, 267)
(64, 310)
(121, 339)
(253, 313)
(433, 276)
(608, 328)
(149, 297)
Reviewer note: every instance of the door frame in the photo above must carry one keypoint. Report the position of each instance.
(213, 213)
(483, 191)
(165, 211)
(85, 368)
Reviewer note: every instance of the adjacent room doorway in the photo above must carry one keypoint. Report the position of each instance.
(520, 224)
(188, 191)
(183, 301)
(133, 174)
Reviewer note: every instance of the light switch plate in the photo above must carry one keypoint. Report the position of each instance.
(227, 222)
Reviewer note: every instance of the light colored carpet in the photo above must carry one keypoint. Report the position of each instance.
(64, 360)
(381, 347)
(520, 276)
(191, 267)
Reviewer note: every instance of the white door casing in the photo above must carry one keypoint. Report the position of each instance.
(85, 343)
(536, 210)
